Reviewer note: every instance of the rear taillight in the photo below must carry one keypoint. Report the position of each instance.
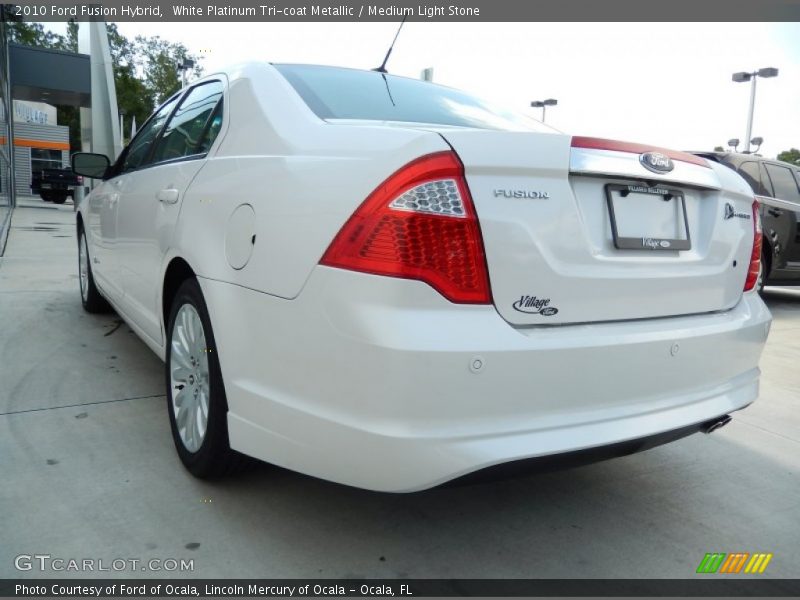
(419, 224)
(755, 255)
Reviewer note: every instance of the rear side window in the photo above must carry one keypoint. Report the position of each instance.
(186, 134)
(783, 182)
(765, 182)
(751, 173)
(337, 93)
(211, 132)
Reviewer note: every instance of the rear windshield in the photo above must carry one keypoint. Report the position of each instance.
(338, 93)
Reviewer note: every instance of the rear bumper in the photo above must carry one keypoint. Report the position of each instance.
(577, 458)
(381, 384)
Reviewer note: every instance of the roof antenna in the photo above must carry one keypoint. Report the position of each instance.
(382, 68)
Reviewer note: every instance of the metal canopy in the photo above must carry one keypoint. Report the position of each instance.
(50, 76)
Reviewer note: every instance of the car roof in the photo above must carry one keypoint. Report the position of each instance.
(740, 157)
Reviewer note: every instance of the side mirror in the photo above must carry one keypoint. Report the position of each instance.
(90, 165)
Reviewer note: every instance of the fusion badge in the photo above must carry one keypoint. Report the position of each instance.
(522, 194)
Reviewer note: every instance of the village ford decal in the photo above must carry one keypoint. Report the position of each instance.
(533, 305)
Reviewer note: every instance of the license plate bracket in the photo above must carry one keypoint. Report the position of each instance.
(628, 203)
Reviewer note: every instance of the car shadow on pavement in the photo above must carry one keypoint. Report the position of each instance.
(698, 493)
(781, 297)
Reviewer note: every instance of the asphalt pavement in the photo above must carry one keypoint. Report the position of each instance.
(88, 470)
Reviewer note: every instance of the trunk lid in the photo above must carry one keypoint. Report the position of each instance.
(545, 204)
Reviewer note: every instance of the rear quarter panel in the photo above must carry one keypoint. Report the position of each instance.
(302, 176)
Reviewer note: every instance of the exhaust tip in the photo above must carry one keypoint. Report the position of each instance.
(712, 426)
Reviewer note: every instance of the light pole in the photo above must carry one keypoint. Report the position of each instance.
(121, 129)
(184, 66)
(741, 78)
(543, 104)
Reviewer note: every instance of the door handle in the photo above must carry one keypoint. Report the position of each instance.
(167, 195)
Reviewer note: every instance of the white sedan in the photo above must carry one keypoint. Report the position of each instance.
(390, 284)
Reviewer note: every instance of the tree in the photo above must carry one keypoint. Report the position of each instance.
(34, 34)
(134, 98)
(72, 36)
(719, 149)
(145, 72)
(159, 59)
(790, 156)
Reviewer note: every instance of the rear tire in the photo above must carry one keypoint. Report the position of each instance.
(46, 196)
(59, 198)
(763, 272)
(198, 408)
(91, 299)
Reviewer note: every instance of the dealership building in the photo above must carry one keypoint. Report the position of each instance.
(39, 142)
(33, 81)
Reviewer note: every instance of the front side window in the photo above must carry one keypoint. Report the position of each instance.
(185, 134)
(783, 182)
(138, 151)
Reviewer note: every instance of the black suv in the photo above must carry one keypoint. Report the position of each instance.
(54, 185)
(777, 187)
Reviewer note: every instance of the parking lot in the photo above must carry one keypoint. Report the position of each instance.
(89, 470)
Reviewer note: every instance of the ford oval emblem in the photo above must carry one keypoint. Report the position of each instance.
(656, 162)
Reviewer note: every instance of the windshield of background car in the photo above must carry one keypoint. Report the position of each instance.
(338, 93)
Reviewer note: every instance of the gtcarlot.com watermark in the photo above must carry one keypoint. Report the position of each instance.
(49, 563)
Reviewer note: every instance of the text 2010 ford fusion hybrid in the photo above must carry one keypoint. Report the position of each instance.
(390, 284)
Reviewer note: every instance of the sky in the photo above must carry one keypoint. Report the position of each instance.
(666, 84)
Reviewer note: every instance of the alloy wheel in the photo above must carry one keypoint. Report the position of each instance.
(83, 267)
(189, 377)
